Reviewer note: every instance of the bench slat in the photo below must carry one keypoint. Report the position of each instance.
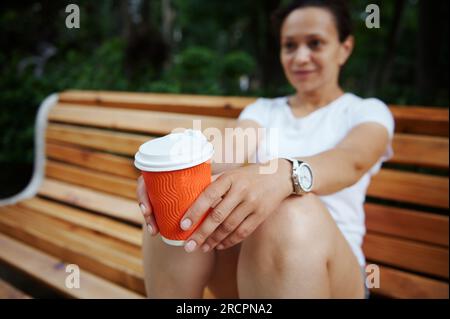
(100, 181)
(79, 217)
(132, 120)
(408, 255)
(399, 284)
(410, 187)
(407, 224)
(427, 151)
(110, 205)
(138, 98)
(103, 162)
(180, 103)
(51, 271)
(421, 120)
(118, 142)
(107, 163)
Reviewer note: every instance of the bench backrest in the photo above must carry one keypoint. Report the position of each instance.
(92, 137)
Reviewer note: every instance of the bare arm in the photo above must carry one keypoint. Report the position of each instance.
(346, 163)
(246, 197)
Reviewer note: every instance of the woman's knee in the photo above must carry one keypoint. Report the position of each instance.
(299, 222)
(290, 246)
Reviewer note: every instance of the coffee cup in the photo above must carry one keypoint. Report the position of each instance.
(176, 169)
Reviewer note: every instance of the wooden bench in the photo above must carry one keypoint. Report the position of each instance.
(83, 210)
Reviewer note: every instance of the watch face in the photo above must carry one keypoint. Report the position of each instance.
(305, 177)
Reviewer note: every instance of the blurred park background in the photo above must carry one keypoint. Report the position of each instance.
(201, 47)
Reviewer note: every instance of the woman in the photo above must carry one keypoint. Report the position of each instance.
(268, 237)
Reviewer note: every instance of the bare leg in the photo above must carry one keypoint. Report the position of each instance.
(170, 272)
(223, 282)
(298, 252)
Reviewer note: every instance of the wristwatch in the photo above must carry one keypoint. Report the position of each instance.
(302, 176)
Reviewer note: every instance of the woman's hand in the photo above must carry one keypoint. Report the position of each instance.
(146, 207)
(241, 199)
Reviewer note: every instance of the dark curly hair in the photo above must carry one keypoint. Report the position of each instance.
(338, 8)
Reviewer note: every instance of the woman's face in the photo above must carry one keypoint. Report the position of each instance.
(311, 53)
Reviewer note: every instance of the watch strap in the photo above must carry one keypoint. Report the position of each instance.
(294, 177)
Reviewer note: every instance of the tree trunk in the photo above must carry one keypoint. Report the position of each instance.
(429, 46)
(144, 43)
(267, 49)
(383, 70)
(168, 16)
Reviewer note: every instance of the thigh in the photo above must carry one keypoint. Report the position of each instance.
(223, 281)
(303, 245)
(344, 271)
(170, 272)
(346, 279)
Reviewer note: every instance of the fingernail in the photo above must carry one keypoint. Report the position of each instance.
(220, 246)
(150, 228)
(186, 223)
(205, 248)
(142, 207)
(190, 246)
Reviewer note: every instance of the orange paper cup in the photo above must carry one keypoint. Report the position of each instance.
(176, 169)
(171, 194)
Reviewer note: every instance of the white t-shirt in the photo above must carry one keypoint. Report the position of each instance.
(319, 131)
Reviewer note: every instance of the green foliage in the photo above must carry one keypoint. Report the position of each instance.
(235, 65)
(200, 70)
(193, 70)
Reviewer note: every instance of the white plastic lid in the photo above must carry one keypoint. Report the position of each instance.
(174, 151)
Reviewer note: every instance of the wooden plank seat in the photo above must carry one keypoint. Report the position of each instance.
(84, 210)
(51, 272)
